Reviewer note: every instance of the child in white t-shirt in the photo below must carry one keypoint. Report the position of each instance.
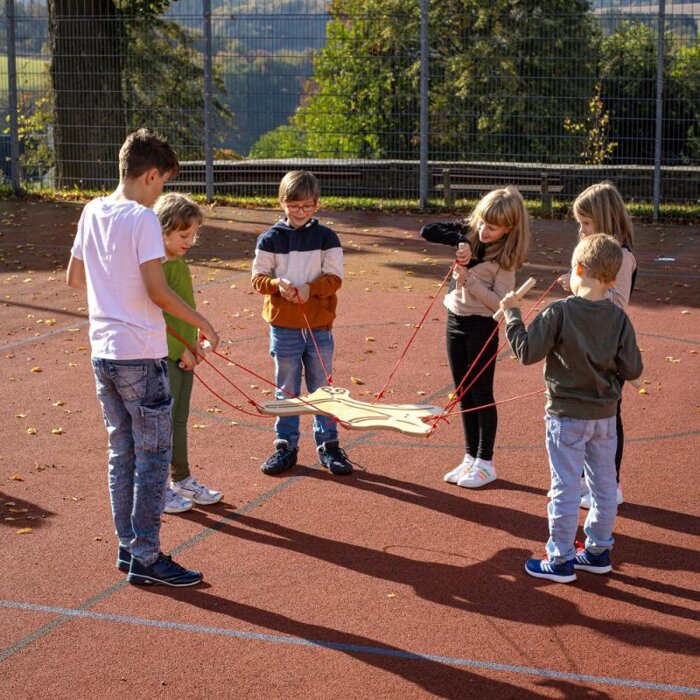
(117, 257)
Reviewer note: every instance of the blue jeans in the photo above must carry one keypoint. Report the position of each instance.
(137, 407)
(292, 350)
(575, 446)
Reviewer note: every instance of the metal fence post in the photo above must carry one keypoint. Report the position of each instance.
(659, 107)
(424, 105)
(208, 95)
(12, 99)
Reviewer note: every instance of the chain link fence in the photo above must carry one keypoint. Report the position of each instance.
(401, 100)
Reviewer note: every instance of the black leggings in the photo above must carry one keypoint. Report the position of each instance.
(466, 336)
(620, 435)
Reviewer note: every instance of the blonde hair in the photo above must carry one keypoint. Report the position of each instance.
(504, 207)
(600, 254)
(298, 185)
(604, 205)
(176, 212)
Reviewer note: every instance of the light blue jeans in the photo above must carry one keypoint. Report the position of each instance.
(137, 408)
(576, 446)
(293, 349)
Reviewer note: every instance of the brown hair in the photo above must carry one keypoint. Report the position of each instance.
(604, 205)
(176, 212)
(600, 254)
(143, 150)
(298, 185)
(504, 207)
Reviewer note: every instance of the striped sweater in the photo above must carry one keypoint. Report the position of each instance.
(310, 254)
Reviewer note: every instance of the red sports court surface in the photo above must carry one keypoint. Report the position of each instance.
(389, 583)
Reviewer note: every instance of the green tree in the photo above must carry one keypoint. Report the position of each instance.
(501, 76)
(282, 142)
(363, 98)
(628, 72)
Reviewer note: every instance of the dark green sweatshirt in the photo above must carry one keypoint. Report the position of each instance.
(588, 347)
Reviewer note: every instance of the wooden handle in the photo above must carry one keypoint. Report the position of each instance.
(520, 293)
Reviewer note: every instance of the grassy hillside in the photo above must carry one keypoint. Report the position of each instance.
(32, 75)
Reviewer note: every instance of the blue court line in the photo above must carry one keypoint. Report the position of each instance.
(350, 648)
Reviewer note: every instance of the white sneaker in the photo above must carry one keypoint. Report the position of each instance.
(190, 488)
(586, 498)
(452, 477)
(482, 472)
(175, 503)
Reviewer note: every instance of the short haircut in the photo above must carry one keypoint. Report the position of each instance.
(600, 254)
(176, 212)
(298, 185)
(603, 204)
(143, 150)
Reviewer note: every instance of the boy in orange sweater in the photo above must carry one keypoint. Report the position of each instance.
(298, 266)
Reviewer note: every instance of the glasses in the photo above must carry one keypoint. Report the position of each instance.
(306, 208)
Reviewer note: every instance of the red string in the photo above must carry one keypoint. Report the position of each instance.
(329, 379)
(381, 393)
(251, 401)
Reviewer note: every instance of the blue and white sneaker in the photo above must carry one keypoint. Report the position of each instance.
(594, 563)
(543, 568)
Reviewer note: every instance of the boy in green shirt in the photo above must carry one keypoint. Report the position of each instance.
(180, 218)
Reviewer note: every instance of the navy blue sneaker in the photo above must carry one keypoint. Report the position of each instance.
(333, 458)
(123, 559)
(164, 571)
(543, 568)
(281, 460)
(595, 563)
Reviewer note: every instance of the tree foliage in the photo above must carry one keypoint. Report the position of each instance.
(628, 69)
(501, 74)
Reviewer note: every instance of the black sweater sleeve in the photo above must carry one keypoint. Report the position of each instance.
(448, 233)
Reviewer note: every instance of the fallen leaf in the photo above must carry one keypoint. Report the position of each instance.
(56, 431)
(59, 403)
(643, 391)
(31, 431)
(370, 338)
(355, 380)
(16, 477)
(199, 426)
(37, 369)
(420, 393)
(20, 415)
(18, 510)
(25, 531)
(685, 312)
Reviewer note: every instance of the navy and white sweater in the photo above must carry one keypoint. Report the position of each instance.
(310, 254)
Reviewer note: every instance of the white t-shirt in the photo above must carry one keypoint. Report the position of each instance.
(113, 240)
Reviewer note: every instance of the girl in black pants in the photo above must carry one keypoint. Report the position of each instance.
(491, 246)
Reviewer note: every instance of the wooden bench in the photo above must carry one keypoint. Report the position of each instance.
(260, 181)
(450, 181)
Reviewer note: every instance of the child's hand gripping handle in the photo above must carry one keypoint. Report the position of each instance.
(520, 293)
(463, 257)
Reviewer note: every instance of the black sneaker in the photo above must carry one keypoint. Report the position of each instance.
(333, 458)
(283, 459)
(123, 559)
(163, 571)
